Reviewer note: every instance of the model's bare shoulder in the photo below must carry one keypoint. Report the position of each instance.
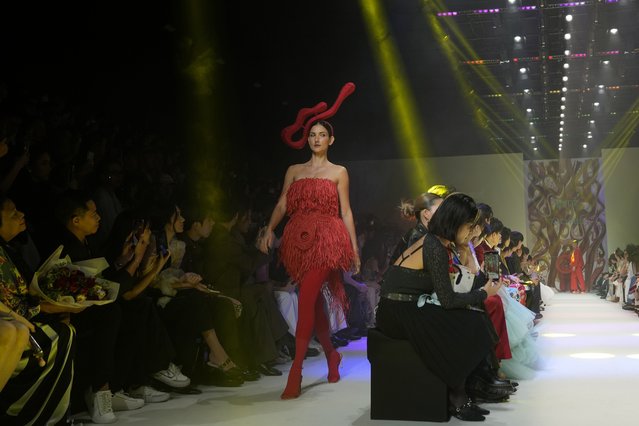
(340, 172)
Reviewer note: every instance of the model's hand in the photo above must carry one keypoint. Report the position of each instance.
(265, 240)
(356, 264)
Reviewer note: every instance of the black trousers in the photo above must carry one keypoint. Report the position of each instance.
(185, 317)
(97, 330)
(143, 346)
(357, 310)
(261, 322)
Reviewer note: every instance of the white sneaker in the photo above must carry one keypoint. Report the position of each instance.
(173, 377)
(122, 401)
(99, 406)
(149, 394)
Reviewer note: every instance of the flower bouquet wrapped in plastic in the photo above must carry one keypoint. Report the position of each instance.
(63, 283)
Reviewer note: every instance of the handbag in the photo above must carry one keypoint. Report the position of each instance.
(462, 280)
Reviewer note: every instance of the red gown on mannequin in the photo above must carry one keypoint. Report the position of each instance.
(576, 274)
(315, 246)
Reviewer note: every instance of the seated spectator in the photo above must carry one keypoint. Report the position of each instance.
(34, 394)
(143, 348)
(231, 265)
(186, 308)
(434, 330)
(97, 326)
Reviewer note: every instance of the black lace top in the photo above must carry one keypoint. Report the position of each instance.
(433, 278)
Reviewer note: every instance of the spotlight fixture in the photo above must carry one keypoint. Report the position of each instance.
(512, 1)
(568, 18)
(566, 66)
(559, 148)
(563, 107)
(596, 104)
(606, 62)
(589, 136)
(528, 109)
(592, 121)
(560, 140)
(531, 123)
(585, 146)
(561, 123)
(527, 91)
(589, 132)
(561, 135)
(564, 89)
(601, 86)
(522, 70)
(561, 129)
(534, 148)
(562, 115)
(564, 78)
(567, 36)
(563, 99)
(566, 52)
(560, 145)
(517, 39)
(532, 137)
(613, 31)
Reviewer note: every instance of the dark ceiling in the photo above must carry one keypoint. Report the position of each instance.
(271, 58)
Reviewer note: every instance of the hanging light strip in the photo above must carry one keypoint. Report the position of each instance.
(520, 8)
(549, 57)
(558, 91)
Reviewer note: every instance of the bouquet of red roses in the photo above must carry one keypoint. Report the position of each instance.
(62, 283)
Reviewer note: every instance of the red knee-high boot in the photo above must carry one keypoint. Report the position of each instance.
(309, 292)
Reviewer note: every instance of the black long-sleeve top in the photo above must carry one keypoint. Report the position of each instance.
(434, 278)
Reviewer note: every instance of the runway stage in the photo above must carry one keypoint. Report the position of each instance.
(590, 349)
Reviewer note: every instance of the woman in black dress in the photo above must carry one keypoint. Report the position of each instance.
(450, 339)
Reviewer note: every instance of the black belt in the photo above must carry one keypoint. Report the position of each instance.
(401, 297)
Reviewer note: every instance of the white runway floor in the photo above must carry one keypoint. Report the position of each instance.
(590, 377)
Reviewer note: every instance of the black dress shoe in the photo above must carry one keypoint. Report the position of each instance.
(480, 410)
(213, 376)
(268, 371)
(347, 333)
(251, 375)
(338, 342)
(361, 332)
(466, 413)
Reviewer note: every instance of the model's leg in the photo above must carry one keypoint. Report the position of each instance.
(310, 288)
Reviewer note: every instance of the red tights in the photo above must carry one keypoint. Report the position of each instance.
(311, 315)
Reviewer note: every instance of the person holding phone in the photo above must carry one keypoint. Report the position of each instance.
(450, 339)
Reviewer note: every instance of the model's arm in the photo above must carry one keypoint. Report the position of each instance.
(278, 213)
(347, 214)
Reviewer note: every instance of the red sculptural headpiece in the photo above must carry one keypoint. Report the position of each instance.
(308, 116)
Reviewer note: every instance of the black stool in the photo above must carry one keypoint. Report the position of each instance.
(402, 388)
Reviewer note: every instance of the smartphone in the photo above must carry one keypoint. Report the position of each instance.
(491, 265)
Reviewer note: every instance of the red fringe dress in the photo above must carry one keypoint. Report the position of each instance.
(315, 236)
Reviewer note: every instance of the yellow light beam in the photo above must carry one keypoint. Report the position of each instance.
(406, 120)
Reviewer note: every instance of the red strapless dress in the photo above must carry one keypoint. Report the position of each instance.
(315, 236)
